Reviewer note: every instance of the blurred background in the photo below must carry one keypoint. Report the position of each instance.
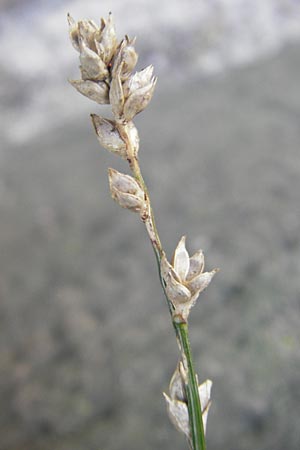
(86, 344)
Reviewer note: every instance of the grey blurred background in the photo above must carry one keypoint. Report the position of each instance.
(86, 345)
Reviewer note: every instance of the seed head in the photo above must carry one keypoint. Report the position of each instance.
(177, 401)
(106, 40)
(126, 191)
(108, 135)
(95, 90)
(140, 93)
(106, 68)
(179, 415)
(185, 278)
(127, 56)
(92, 66)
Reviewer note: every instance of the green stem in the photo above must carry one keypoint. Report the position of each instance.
(192, 392)
(181, 328)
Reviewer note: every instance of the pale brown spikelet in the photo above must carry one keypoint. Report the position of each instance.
(107, 66)
(177, 400)
(96, 91)
(184, 278)
(126, 191)
(108, 135)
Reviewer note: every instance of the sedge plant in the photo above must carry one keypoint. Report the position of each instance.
(108, 78)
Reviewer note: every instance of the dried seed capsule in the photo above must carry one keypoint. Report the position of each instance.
(201, 281)
(116, 96)
(177, 402)
(73, 32)
(129, 58)
(125, 56)
(177, 383)
(176, 292)
(188, 273)
(138, 100)
(181, 260)
(179, 415)
(108, 135)
(205, 400)
(196, 265)
(92, 67)
(97, 91)
(106, 40)
(87, 30)
(126, 191)
(138, 80)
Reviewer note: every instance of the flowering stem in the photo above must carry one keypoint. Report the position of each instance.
(194, 406)
(181, 326)
(107, 77)
(193, 399)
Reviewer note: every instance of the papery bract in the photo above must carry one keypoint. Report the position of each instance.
(97, 91)
(126, 191)
(108, 135)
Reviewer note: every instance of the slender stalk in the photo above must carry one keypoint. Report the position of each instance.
(193, 399)
(194, 406)
(180, 327)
